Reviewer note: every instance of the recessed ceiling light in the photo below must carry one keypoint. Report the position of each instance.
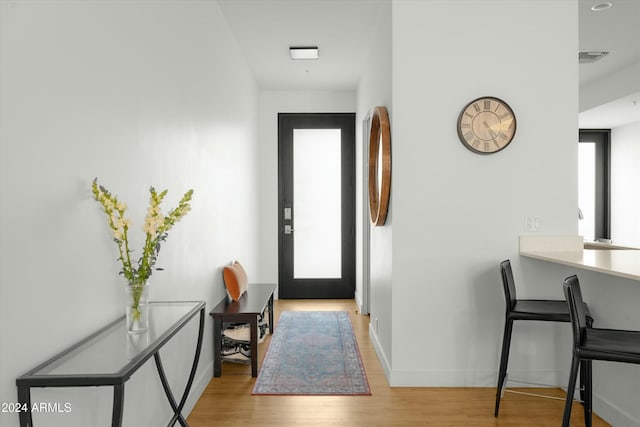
(303, 52)
(601, 6)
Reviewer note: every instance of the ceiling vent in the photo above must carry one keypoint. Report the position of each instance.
(591, 56)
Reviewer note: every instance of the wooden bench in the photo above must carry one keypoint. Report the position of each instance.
(257, 298)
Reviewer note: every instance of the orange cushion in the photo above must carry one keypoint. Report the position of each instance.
(235, 280)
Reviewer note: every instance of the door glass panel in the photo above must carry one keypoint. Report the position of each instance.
(587, 189)
(317, 243)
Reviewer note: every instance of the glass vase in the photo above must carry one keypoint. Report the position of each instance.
(137, 307)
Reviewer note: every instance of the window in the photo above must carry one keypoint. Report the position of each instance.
(594, 183)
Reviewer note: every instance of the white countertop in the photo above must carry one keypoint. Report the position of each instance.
(622, 263)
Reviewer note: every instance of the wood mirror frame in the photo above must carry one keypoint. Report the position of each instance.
(379, 143)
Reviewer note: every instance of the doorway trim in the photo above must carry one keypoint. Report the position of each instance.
(366, 226)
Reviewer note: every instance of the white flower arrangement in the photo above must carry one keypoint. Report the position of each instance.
(156, 227)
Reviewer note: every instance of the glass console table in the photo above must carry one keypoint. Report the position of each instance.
(111, 355)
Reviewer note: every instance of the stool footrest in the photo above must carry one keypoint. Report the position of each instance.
(509, 380)
(540, 395)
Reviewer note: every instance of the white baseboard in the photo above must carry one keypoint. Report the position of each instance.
(358, 302)
(441, 378)
(382, 358)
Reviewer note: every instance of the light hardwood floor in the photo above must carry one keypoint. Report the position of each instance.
(227, 401)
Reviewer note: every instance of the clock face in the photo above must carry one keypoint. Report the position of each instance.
(486, 125)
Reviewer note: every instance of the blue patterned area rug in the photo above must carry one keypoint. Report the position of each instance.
(313, 353)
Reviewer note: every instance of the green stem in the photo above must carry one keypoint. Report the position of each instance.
(146, 255)
(136, 292)
(128, 270)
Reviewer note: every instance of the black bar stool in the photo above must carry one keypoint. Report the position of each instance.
(590, 344)
(519, 309)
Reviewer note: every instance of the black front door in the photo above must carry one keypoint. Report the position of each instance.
(316, 192)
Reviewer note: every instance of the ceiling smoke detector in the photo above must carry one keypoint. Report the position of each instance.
(591, 56)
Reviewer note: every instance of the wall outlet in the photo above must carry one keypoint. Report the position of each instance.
(375, 325)
(532, 224)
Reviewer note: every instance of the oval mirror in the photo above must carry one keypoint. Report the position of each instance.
(379, 165)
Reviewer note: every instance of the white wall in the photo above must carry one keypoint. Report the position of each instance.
(137, 94)
(456, 214)
(625, 185)
(374, 89)
(272, 103)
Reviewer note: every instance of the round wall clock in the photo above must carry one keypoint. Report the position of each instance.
(486, 125)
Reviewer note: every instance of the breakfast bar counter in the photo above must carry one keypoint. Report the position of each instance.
(568, 250)
(622, 263)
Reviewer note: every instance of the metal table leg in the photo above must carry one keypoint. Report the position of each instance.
(177, 408)
(118, 405)
(24, 398)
